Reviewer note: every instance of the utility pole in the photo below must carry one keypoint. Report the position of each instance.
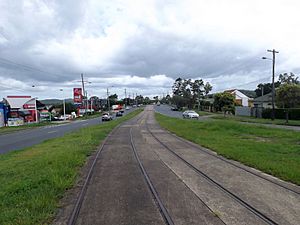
(136, 100)
(108, 100)
(273, 85)
(125, 98)
(83, 94)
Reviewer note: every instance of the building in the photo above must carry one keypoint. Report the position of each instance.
(240, 98)
(23, 108)
(264, 101)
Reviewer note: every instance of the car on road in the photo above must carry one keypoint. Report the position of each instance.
(106, 116)
(119, 113)
(174, 108)
(190, 114)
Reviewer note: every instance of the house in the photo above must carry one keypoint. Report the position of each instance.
(264, 101)
(240, 98)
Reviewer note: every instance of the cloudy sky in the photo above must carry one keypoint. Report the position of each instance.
(143, 45)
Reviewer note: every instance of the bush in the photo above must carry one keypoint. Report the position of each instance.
(294, 113)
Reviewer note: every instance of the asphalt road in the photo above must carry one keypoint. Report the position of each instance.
(166, 110)
(26, 138)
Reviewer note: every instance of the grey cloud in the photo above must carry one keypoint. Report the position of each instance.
(159, 53)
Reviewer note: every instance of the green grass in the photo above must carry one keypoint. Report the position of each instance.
(6, 130)
(33, 180)
(274, 151)
(258, 120)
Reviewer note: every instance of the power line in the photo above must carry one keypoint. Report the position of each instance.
(26, 67)
(241, 85)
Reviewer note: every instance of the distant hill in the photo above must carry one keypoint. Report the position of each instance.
(55, 101)
(249, 93)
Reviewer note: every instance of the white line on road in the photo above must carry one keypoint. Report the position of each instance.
(52, 131)
(84, 124)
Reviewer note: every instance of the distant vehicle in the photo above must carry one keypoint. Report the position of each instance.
(174, 108)
(106, 117)
(190, 114)
(158, 103)
(119, 113)
(127, 108)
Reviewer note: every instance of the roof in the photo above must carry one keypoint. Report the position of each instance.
(264, 98)
(17, 102)
(20, 102)
(238, 94)
(243, 93)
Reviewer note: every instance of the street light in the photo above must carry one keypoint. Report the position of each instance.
(273, 77)
(64, 104)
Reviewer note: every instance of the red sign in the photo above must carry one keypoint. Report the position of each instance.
(77, 95)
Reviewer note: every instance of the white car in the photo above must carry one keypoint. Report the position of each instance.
(190, 114)
(106, 116)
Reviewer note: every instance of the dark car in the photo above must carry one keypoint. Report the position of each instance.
(119, 113)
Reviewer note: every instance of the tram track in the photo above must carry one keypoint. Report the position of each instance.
(167, 218)
(200, 149)
(76, 210)
(249, 207)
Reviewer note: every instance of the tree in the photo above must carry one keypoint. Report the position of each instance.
(189, 90)
(147, 101)
(113, 99)
(179, 101)
(207, 88)
(288, 79)
(224, 102)
(288, 96)
(139, 99)
(70, 107)
(265, 88)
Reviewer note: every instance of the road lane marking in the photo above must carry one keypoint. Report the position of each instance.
(50, 132)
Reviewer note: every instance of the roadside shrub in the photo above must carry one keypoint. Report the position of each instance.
(294, 113)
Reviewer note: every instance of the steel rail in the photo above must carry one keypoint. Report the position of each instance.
(231, 163)
(168, 220)
(73, 218)
(225, 190)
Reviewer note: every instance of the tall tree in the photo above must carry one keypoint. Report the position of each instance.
(207, 88)
(288, 96)
(288, 78)
(265, 88)
(190, 90)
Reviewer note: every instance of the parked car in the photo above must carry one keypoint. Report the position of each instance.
(190, 114)
(174, 108)
(119, 113)
(106, 116)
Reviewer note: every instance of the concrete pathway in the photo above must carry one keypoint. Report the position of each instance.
(195, 185)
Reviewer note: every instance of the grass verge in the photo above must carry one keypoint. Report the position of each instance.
(33, 180)
(258, 120)
(274, 151)
(6, 130)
